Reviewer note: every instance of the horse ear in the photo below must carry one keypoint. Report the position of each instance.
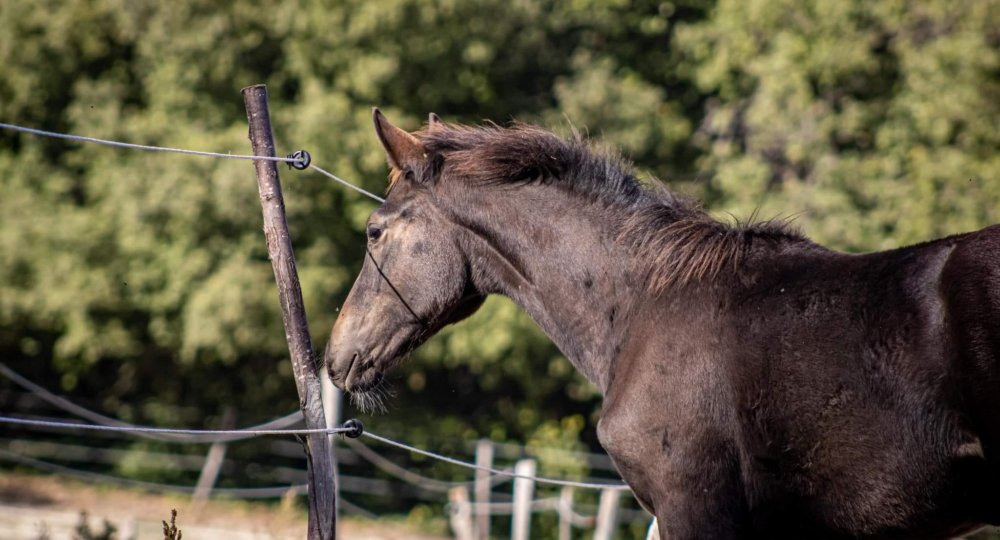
(434, 122)
(401, 148)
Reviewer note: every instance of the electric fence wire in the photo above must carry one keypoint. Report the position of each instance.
(129, 428)
(357, 446)
(143, 429)
(254, 432)
(348, 184)
(409, 477)
(143, 146)
(297, 161)
(173, 436)
(460, 463)
(328, 431)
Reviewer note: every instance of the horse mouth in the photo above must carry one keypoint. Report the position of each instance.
(356, 374)
(350, 368)
(362, 375)
(366, 389)
(365, 377)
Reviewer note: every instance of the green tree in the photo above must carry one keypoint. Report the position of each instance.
(878, 120)
(138, 283)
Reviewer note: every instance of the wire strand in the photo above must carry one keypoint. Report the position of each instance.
(348, 184)
(192, 153)
(329, 431)
(409, 477)
(144, 147)
(203, 435)
(76, 410)
(143, 429)
(453, 461)
(244, 433)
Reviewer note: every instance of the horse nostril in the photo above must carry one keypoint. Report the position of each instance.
(351, 365)
(338, 371)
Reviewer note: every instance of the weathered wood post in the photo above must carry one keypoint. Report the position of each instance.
(322, 485)
(524, 492)
(484, 458)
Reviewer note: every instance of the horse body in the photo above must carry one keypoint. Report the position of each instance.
(755, 384)
(826, 396)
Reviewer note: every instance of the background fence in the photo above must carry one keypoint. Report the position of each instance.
(64, 450)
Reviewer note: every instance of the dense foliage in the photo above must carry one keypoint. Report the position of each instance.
(138, 283)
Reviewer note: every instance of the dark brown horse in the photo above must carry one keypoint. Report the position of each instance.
(755, 384)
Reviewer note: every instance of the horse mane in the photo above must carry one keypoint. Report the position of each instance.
(674, 241)
(680, 245)
(521, 153)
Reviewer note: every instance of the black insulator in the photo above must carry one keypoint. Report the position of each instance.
(355, 428)
(302, 160)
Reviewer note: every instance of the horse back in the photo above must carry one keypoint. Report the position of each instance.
(855, 391)
(869, 385)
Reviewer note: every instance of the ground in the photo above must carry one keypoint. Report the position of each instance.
(34, 506)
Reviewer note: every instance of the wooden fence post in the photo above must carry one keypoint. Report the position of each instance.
(319, 469)
(607, 514)
(484, 458)
(213, 461)
(524, 492)
(461, 513)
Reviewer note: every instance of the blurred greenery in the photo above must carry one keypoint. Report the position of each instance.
(138, 283)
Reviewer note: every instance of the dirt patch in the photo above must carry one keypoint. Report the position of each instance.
(20, 493)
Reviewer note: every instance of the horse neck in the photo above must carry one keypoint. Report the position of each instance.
(559, 260)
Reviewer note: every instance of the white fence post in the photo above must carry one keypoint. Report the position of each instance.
(129, 530)
(332, 400)
(654, 531)
(607, 514)
(213, 462)
(524, 492)
(484, 458)
(565, 513)
(461, 513)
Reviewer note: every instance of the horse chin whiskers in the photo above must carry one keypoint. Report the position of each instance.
(375, 390)
(372, 399)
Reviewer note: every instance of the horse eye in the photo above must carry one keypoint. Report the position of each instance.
(374, 232)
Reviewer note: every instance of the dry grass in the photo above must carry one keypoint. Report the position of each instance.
(171, 532)
(31, 503)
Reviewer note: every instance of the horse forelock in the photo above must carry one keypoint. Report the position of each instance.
(394, 176)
